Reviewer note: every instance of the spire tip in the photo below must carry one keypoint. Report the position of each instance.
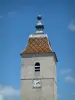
(39, 17)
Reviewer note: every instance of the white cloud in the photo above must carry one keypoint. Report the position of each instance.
(70, 79)
(65, 71)
(1, 97)
(8, 92)
(72, 25)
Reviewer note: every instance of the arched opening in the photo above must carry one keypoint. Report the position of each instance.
(37, 67)
(37, 64)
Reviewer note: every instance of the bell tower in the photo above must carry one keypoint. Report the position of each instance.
(38, 70)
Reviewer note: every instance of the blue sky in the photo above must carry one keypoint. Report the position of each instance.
(17, 22)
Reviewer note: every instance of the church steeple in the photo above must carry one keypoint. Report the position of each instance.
(39, 26)
(38, 67)
(38, 42)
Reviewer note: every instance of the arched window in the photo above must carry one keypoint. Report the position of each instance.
(37, 66)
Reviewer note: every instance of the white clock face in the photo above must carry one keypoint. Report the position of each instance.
(36, 83)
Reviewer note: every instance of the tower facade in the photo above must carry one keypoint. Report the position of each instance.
(38, 70)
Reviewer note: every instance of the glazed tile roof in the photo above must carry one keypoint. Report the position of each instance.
(37, 45)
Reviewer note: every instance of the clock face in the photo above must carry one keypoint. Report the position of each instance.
(36, 83)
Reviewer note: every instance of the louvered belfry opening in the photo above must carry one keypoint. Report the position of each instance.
(37, 67)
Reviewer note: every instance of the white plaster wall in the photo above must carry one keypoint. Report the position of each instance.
(55, 91)
(47, 67)
(47, 75)
(46, 92)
